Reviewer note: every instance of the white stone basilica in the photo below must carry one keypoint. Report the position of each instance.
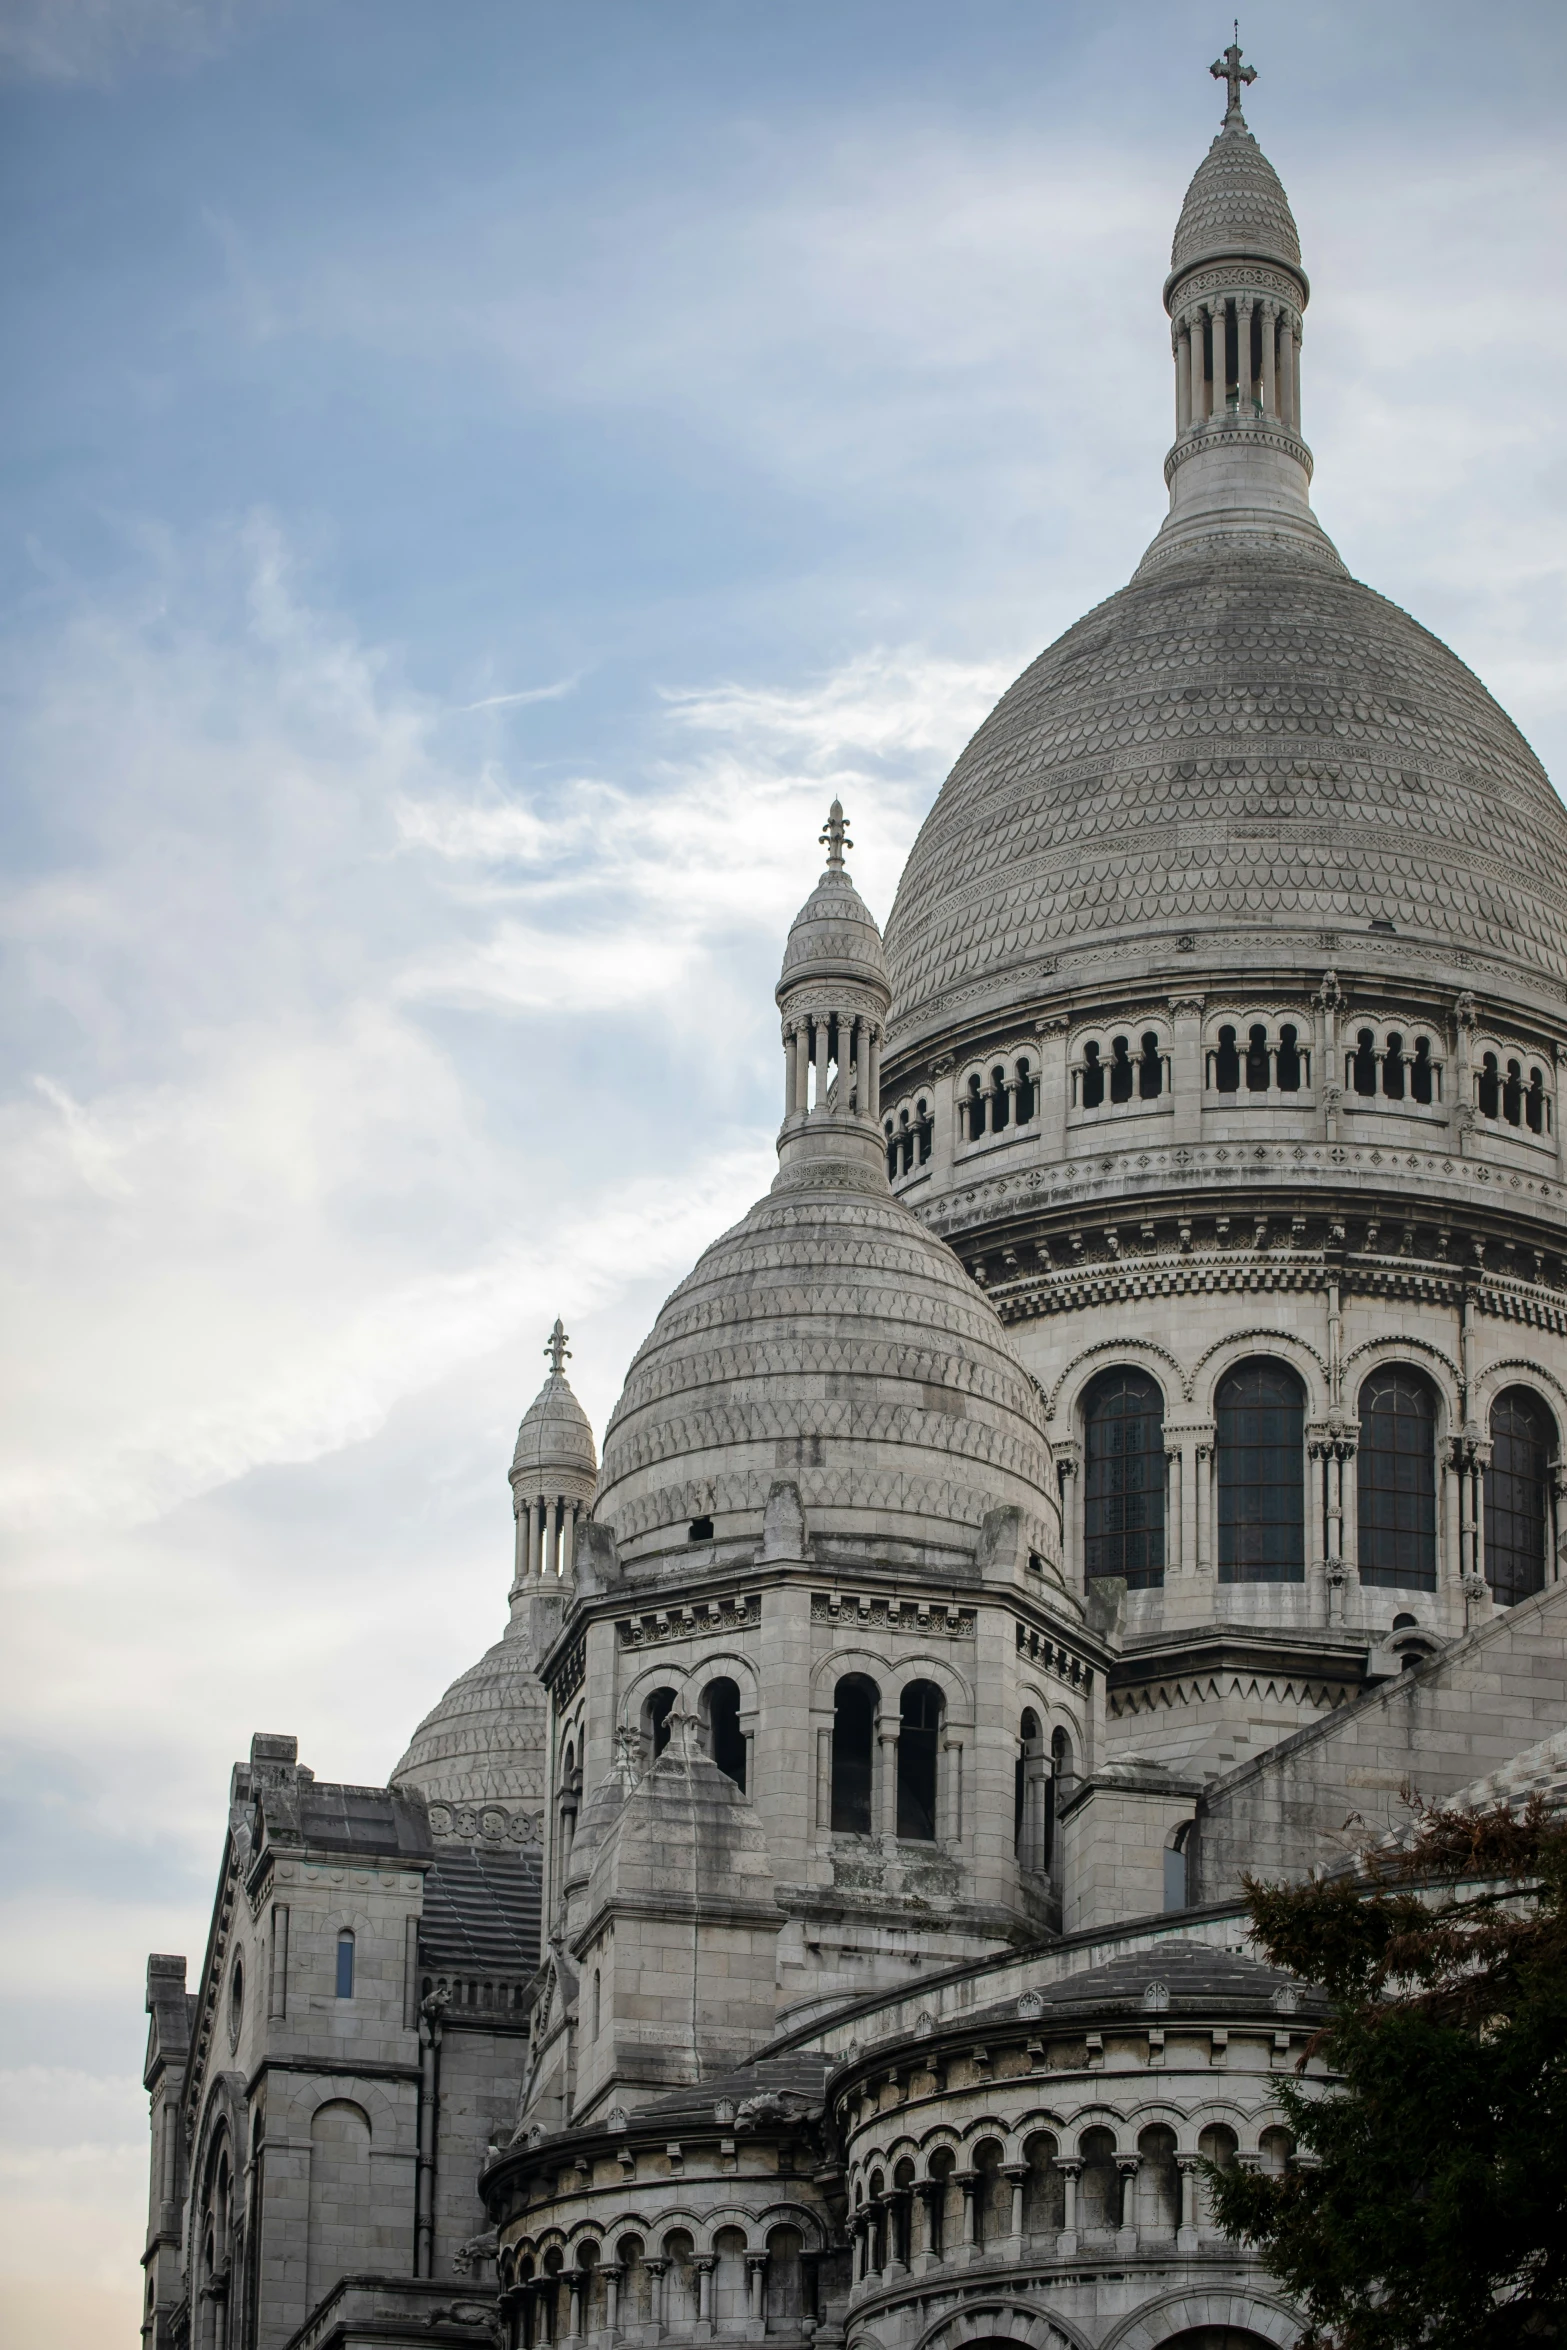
(1121, 1450)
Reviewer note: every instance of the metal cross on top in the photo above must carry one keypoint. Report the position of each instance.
(557, 1350)
(836, 836)
(1229, 68)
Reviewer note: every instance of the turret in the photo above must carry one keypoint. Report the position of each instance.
(833, 997)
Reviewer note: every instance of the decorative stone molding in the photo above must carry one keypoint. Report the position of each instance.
(736, 1611)
(484, 1823)
(889, 1615)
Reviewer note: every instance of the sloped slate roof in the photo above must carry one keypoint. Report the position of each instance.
(481, 1910)
(1188, 1976)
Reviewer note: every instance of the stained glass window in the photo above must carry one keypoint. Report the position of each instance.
(1517, 1496)
(1396, 1470)
(1261, 1414)
(1123, 1482)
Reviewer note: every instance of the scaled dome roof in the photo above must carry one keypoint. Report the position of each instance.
(1244, 739)
(556, 1436)
(834, 935)
(1235, 204)
(830, 1340)
(484, 1741)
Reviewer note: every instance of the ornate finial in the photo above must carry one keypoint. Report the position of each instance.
(1229, 68)
(836, 837)
(557, 1350)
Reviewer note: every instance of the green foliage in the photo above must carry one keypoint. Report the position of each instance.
(1427, 2209)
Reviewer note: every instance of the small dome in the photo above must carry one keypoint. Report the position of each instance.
(834, 935)
(555, 1439)
(1235, 204)
(484, 1742)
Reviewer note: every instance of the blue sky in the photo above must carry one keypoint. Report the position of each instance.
(475, 481)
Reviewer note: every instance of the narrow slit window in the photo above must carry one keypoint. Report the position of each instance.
(1512, 1095)
(1257, 1070)
(1490, 1087)
(1150, 1069)
(1363, 1063)
(1227, 1064)
(1121, 1072)
(919, 1735)
(1534, 1103)
(1093, 1078)
(998, 1098)
(1288, 1066)
(853, 1747)
(1393, 1069)
(345, 1965)
(1025, 1093)
(1420, 1072)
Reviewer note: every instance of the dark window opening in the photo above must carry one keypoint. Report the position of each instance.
(1517, 1496)
(1397, 1479)
(1176, 1894)
(1025, 1092)
(998, 1098)
(1150, 1069)
(1227, 1063)
(905, 1141)
(1029, 1748)
(1363, 1063)
(1058, 1788)
(925, 1129)
(1093, 1078)
(1261, 1415)
(853, 1746)
(1512, 1095)
(1534, 1103)
(1490, 1087)
(1124, 1478)
(659, 1708)
(1393, 1069)
(918, 1738)
(1420, 1070)
(1121, 1072)
(1287, 1076)
(976, 1110)
(700, 1530)
(345, 1965)
(726, 1739)
(1257, 1071)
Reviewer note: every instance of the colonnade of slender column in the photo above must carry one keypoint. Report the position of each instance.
(817, 1042)
(1200, 343)
(547, 1535)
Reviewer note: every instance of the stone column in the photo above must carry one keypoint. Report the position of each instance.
(1071, 1517)
(704, 2288)
(1199, 390)
(1128, 2165)
(1071, 2171)
(1245, 381)
(862, 1070)
(1188, 2165)
(1555, 1113)
(1017, 2173)
(1219, 317)
(824, 1780)
(949, 1794)
(1176, 1552)
(1186, 1070)
(822, 1032)
(568, 1536)
(655, 2270)
(1180, 341)
(756, 2286)
(1202, 1479)
(1270, 374)
(574, 2303)
(1348, 1450)
(614, 2270)
(873, 1106)
(535, 1549)
(791, 1057)
(887, 1728)
(1297, 337)
(969, 2182)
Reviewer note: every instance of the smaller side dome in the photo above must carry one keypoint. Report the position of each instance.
(1236, 204)
(555, 1440)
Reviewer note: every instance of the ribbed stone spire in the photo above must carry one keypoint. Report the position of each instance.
(832, 994)
(1236, 295)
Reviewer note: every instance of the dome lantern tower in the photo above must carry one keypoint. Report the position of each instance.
(832, 994)
(1236, 295)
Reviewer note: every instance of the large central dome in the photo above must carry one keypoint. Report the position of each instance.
(1243, 740)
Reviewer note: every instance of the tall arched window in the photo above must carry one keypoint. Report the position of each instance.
(1397, 1478)
(725, 1738)
(919, 1735)
(1518, 1496)
(853, 1744)
(1123, 1479)
(655, 1719)
(1261, 1414)
(345, 1964)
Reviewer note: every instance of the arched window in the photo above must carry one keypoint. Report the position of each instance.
(1093, 1077)
(919, 1735)
(1261, 1414)
(1058, 1788)
(1122, 1074)
(1512, 1095)
(598, 2003)
(1123, 1480)
(1176, 1892)
(1363, 1063)
(1518, 1496)
(1150, 1069)
(345, 1964)
(1397, 1478)
(853, 1744)
(1257, 1071)
(976, 1109)
(924, 1128)
(655, 1719)
(1287, 1067)
(1099, 2182)
(1227, 1063)
(1025, 1092)
(1420, 1070)
(1393, 1069)
(1490, 1087)
(998, 1097)
(1028, 1790)
(725, 1738)
(892, 1151)
(1534, 1103)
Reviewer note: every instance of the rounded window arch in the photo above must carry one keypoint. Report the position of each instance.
(655, 1720)
(919, 1739)
(1518, 1495)
(1124, 1477)
(1260, 1409)
(854, 1705)
(726, 1743)
(1396, 1471)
